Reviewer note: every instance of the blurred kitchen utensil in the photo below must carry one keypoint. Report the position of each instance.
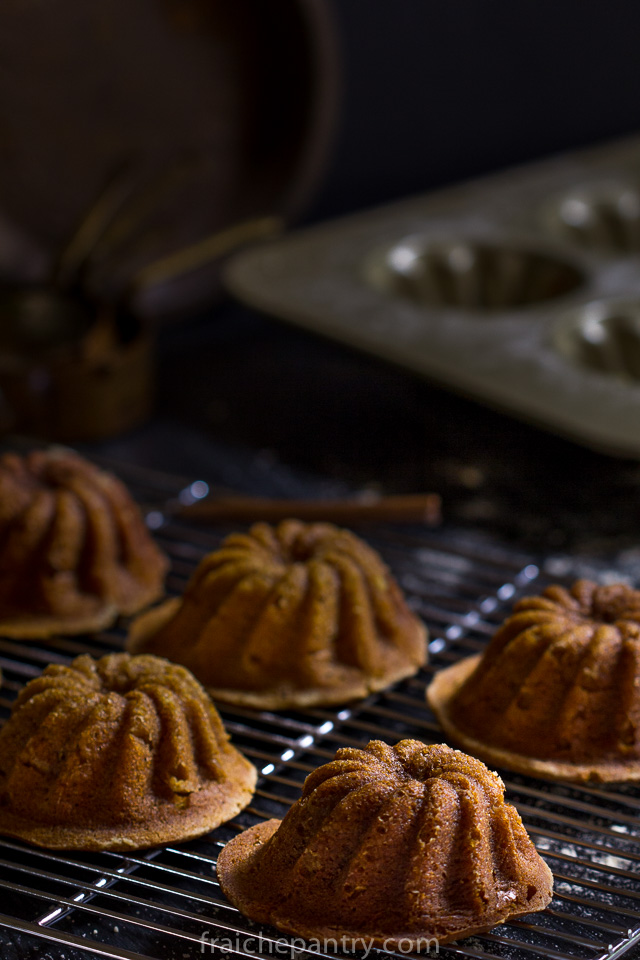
(76, 360)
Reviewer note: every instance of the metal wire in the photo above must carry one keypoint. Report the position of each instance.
(161, 903)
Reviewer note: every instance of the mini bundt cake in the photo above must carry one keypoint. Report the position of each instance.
(395, 845)
(74, 549)
(557, 692)
(117, 754)
(291, 615)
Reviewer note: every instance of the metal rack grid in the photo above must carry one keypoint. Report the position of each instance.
(166, 903)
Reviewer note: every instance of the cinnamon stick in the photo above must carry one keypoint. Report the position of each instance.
(405, 508)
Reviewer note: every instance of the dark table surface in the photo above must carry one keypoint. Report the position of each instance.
(257, 406)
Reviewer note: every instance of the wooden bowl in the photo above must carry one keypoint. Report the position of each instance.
(217, 110)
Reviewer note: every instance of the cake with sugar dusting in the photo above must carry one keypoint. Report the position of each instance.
(286, 616)
(74, 548)
(557, 691)
(390, 845)
(117, 754)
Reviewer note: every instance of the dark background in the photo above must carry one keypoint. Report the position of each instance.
(440, 90)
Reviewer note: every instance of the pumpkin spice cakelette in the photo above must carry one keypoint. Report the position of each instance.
(392, 847)
(119, 753)
(288, 616)
(557, 692)
(74, 549)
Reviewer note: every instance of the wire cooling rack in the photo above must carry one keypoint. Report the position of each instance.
(166, 903)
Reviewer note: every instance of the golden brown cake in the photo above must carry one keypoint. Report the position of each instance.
(395, 845)
(557, 692)
(117, 754)
(74, 549)
(291, 615)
